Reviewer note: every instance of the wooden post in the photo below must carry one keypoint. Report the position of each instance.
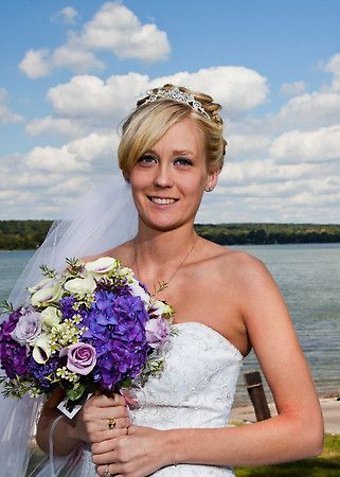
(257, 396)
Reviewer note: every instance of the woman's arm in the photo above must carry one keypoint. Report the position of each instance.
(297, 431)
(90, 424)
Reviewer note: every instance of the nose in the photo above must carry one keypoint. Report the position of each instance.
(163, 177)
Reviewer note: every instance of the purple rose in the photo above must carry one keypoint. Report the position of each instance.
(157, 332)
(28, 327)
(81, 358)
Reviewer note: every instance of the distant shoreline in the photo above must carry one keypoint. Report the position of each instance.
(29, 234)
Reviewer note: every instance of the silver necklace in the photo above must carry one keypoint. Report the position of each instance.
(162, 284)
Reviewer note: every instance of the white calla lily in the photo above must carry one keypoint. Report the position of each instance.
(42, 349)
(44, 283)
(101, 265)
(81, 286)
(46, 295)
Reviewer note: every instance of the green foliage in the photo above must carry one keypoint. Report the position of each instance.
(256, 234)
(29, 234)
(22, 234)
(326, 465)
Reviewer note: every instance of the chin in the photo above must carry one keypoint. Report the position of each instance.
(162, 226)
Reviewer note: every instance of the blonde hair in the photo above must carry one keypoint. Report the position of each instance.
(151, 120)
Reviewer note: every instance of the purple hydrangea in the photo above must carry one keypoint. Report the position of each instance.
(41, 371)
(116, 329)
(14, 357)
(66, 306)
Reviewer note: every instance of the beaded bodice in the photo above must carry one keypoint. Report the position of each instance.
(195, 389)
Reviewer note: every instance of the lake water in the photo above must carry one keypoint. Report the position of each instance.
(309, 278)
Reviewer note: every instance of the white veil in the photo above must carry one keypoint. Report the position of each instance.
(104, 218)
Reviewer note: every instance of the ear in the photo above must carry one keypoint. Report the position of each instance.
(211, 181)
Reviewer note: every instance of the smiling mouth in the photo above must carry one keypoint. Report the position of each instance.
(162, 200)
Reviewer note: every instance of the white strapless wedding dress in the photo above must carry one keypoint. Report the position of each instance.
(196, 389)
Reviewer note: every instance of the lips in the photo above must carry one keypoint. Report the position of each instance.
(162, 200)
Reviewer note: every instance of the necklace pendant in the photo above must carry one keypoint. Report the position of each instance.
(160, 286)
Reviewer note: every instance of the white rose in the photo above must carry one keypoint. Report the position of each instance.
(50, 317)
(101, 265)
(160, 308)
(47, 294)
(138, 290)
(42, 349)
(126, 273)
(81, 286)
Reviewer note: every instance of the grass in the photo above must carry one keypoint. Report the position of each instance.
(325, 465)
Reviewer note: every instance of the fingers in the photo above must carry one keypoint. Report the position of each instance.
(108, 400)
(103, 417)
(116, 423)
(99, 437)
(115, 470)
(106, 450)
(104, 412)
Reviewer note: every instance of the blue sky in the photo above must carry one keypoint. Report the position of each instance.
(71, 71)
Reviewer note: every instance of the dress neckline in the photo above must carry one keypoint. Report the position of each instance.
(212, 331)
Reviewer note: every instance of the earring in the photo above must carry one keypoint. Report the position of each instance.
(209, 189)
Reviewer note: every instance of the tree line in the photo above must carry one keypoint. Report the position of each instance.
(29, 234)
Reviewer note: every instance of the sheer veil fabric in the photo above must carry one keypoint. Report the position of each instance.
(104, 218)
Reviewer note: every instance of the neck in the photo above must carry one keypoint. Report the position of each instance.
(160, 255)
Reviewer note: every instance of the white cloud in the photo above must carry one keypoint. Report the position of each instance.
(309, 111)
(113, 29)
(293, 89)
(76, 58)
(66, 16)
(6, 115)
(50, 159)
(85, 96)
(308, 146)
(36, 63)
(242, 146)
(91, 97)
(51, 126)
(283, 166)
(237, 88)
(333, 66)
(75, 156)
(93, 147)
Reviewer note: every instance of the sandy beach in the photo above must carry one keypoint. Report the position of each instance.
(330, 409)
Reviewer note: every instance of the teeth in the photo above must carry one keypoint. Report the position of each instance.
(160, 201)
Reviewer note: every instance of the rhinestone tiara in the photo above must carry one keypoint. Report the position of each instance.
(175, 94)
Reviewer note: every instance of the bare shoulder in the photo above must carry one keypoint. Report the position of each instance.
(122, 253)
(242, 265)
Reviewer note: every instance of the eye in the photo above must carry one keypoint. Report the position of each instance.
(183, 161)
(147, 160)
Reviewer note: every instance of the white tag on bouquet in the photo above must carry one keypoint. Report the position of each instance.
(70, 408)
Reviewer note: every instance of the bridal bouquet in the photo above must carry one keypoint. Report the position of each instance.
(92, 327)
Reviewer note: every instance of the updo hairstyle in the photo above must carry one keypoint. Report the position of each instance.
(151, 120)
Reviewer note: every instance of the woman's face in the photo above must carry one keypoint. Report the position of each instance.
(168, 181)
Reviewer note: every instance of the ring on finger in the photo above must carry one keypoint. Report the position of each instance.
(111, 424)
(107, 472)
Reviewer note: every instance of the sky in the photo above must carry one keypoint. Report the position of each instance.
(72, 70)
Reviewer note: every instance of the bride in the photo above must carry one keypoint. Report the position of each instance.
(171, 152)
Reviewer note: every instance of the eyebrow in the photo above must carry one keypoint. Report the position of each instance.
(176, 152)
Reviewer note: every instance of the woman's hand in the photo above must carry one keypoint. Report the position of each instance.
(101, 418)
(139, 453)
